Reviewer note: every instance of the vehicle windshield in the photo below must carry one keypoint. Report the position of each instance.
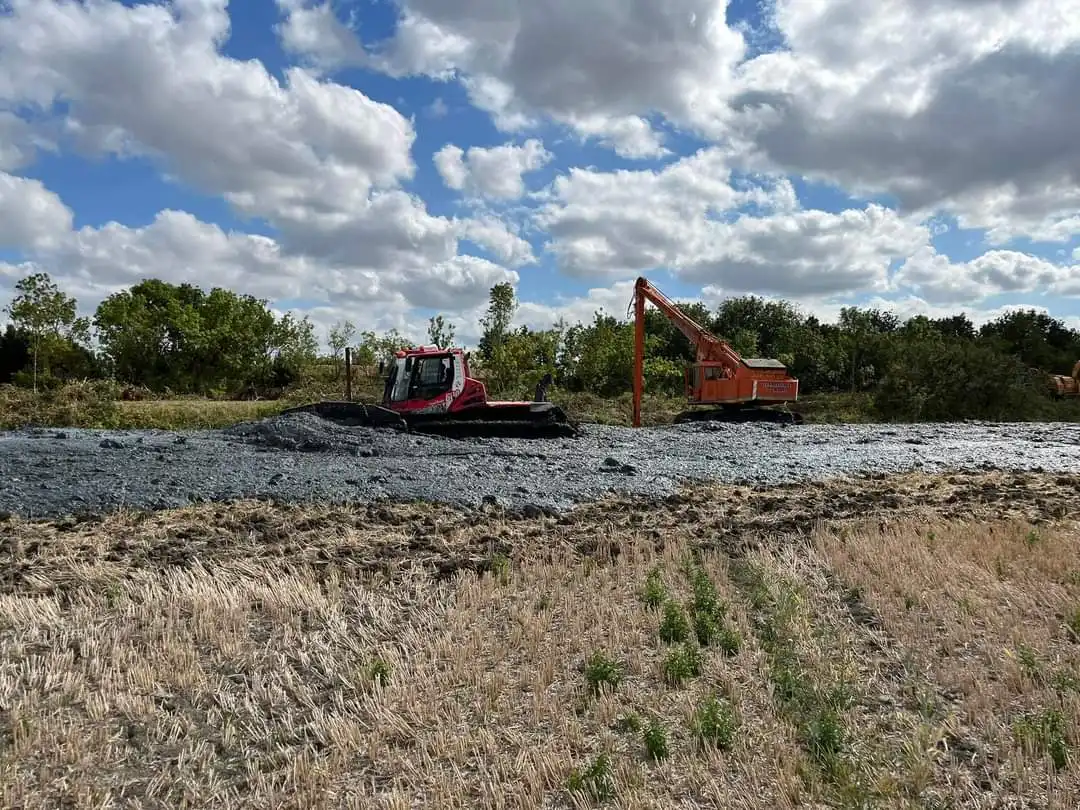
(427, 378)
(401, 381)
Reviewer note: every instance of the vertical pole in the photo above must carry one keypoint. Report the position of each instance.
(348, 373)
(639, 353)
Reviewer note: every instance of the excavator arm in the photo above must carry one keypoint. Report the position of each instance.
(741, 382)
(706, 345)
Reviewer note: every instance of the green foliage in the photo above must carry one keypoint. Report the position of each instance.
(92, 403)
(655, 737)
(681, 664)
(597, 782)
(341, 335)
(178, 339)
(715, 723)
(674, 626)
(162, 335)
(378, 672)
(1044, 733)
(601, 671)
(940, 379)
(441, 332)
(654, 593)
(48, 318)
(502, 304)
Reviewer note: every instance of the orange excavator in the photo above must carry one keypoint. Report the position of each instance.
(1062, 386)
(738, 388)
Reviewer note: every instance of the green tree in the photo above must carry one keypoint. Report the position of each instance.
(945, 379)
(14, 352)
(1037, 339)
(48, 316)
(441, 332)
(502, 304)
(340, 335)
(179, 337)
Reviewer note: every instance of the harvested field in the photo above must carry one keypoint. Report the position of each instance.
(907, 641)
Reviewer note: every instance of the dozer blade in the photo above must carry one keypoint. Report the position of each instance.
(526, 420)
(352, 414)
(746, 415)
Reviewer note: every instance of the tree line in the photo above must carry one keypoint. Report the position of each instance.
(181, 339)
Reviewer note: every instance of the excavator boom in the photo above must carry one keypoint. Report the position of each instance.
(739, 387)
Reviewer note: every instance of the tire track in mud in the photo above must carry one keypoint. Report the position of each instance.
(47, 473)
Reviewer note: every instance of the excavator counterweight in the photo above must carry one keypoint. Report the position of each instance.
(737, 388)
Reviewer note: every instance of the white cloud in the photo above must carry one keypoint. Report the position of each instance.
(612, 300)
(318, 160)
(496, 236)
(315, 31)
(139, 80)
(941, 104)
(967, 106)
(493, 172)
(998, 271)
(624, 223)
(598, 66)
(963, 105)
(30, 215)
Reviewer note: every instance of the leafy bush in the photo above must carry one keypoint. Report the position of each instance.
(944, 380)
(92, 403)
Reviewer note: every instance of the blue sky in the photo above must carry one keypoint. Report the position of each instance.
(593, 242)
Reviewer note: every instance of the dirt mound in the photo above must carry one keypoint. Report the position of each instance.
(305, 432)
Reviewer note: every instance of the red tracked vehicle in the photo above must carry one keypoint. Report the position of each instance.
(428, 389)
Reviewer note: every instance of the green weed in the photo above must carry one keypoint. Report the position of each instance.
(1029, 663)
(654, 593)
(655, 737)
(674, 626)
(681, 664)
(596, 782)
(378, 672)
(1044, 733)
(600, 670)
(500, 567)
(715, 723)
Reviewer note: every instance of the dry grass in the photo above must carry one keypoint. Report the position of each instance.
(869, 646)
(186, 414)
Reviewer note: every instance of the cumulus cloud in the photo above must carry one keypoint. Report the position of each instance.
(599, 66)
(940, 280)
(965, 107)
(945, 105)
(319, 160)
(150, 80)
(496, 236)
(31, 216)
(628, 222)
(492, 172)
(942, 104)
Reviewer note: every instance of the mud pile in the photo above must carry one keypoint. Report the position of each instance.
(301, 457)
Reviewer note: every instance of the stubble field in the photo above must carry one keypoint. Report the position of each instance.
(907, 642)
